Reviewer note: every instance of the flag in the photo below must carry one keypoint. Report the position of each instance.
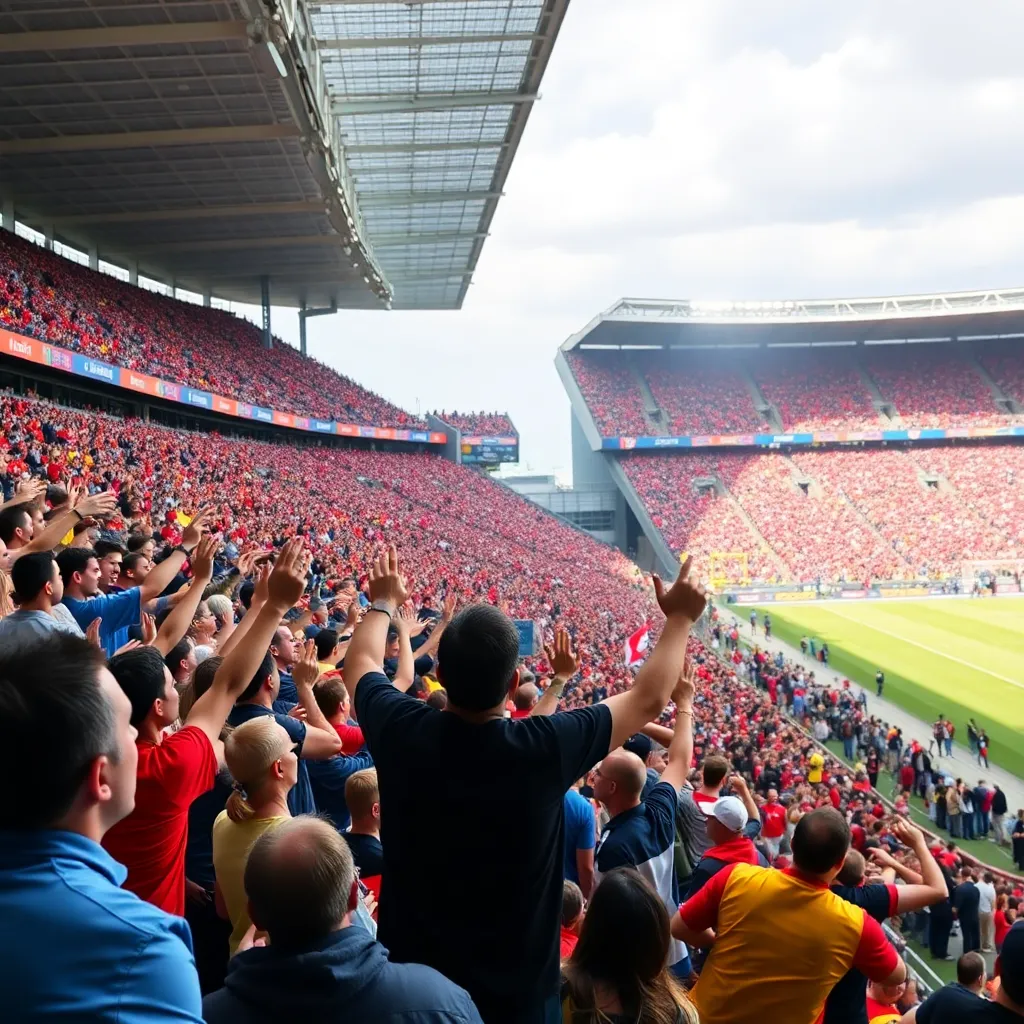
(637, 644)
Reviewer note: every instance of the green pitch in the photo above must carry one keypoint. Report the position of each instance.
(960, 658)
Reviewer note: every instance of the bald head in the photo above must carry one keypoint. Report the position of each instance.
(299, 879)
(627, 771)
(852, 871)
(526, 696)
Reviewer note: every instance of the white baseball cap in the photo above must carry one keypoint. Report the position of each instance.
(730, 812)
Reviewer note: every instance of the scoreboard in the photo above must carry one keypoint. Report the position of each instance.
(489, 451)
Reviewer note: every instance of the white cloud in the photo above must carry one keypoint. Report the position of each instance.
(722, 149)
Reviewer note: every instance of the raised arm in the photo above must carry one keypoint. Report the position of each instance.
(160, 576)
(932, 888)
(406, 671)
(447, 612)
(365, 652)
(562, 659)
(175, 626)
(321, 739)
(285, 587)
(101, 504)
(680, 750)
(632, 710)
(739, 784)
(259, 599)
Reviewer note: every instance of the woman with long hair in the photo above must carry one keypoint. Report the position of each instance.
(617, 973)
(264, 765)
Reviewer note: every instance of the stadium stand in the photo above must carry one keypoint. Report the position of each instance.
(58, 301)
(612, 394)
(491, 423)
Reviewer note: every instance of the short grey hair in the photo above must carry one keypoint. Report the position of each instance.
(298, 879)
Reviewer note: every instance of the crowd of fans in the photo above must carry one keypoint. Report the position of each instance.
(840, 514)
(927, 386)
(487, 423)
(55, 300)
(283, 702)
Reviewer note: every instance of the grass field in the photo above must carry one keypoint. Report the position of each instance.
(959, 658)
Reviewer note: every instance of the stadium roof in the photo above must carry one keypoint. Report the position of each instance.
(654, 323)
(352, 150)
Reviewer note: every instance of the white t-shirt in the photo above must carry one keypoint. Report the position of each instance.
(987, 903)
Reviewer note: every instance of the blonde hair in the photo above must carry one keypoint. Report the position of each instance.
(219, 605)
(361, 792)
(249, 751)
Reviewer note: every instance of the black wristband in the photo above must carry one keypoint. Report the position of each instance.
(181, 547)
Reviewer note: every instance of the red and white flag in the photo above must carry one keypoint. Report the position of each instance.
(637, 644)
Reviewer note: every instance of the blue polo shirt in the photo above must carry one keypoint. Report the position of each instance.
(643, 837)
(75, 946)
(579, 831)
(287, 694)
(300, 799)
(118, 612)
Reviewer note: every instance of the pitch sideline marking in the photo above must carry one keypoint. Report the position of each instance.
(931, 650)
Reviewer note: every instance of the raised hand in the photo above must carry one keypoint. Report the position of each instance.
(92, 632)
(261, 591)
(451, 602)
(30, 490)
(352, 615)
(288, 579)
(306, 671)
(561, 656)
(102, 504)
(193, 533)
(202, 558)
(149, 630)
(130, 646)
(686, 686)
(907, 833)
(386, 580)
(683, 599)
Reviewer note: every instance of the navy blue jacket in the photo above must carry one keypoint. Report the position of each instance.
(347, 977)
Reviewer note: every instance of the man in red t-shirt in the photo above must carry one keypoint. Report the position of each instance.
(881, 1002)
(773, 822)
(173, 770)
(332, 698)
(572, 918)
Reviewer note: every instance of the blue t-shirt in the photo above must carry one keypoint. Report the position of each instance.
(300, 799)
(328, 779)
(117, 611)
(579, 831)
(288, 693)
(76, 946)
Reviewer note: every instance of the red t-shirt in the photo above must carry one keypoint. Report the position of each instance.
(150, 842)
(522, 712)
(773, 818)
(351, 737)
(566, 943)
(882, 1013)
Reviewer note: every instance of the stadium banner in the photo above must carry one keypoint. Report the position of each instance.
(819, 437)
(30, 350)
(484, 450)
(795, 595)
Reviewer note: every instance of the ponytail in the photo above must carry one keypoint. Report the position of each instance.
(237, 807)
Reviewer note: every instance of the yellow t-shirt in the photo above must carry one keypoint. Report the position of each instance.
(232, 841)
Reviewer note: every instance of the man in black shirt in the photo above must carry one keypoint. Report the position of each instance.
(966, 899)
(363, 800)
(473, 798)
(880, 681)
(846, 1003)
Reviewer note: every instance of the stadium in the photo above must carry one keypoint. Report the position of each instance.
(298, 602)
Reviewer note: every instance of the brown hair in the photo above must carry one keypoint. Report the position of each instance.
(624, 944)
(330, 694)
(714, 770)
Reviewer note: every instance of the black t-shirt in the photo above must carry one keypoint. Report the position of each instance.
(367, 852)
(847, 1002)
(472, 831)
(955, 1004)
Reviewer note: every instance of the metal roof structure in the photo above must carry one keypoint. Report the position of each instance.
(687, 323)
(352, 151)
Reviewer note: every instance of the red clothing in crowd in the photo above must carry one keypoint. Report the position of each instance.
(150, 842)
(351, 737)
(567, 940)
(773, 821)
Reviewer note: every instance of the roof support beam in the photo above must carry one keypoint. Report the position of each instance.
(123, 36)
(369, 201)
(228, 244)
(401, 104)
(151, 139)
(398, 240)
(430, 275)
(415, 42)
(422, 147)
(193, 213)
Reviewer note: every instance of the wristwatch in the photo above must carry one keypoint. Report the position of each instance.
(381, 605)
(181, 547)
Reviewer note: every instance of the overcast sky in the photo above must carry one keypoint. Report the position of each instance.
(721, 149)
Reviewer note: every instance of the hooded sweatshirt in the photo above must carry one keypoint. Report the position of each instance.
(346, 977)
(740, 850)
